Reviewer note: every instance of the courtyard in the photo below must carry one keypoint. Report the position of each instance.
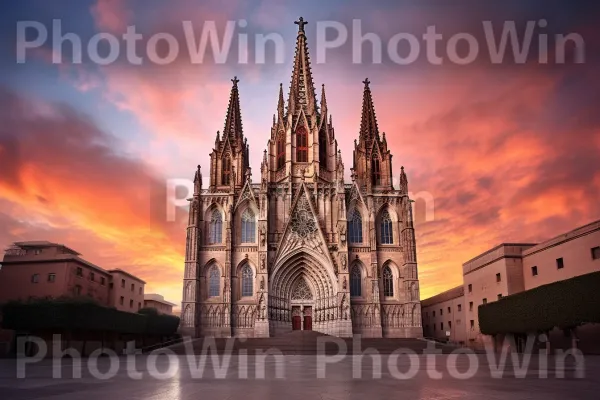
(299, 377)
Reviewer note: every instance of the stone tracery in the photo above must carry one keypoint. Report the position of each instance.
(298, 240)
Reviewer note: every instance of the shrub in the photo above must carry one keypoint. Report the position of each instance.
(148, 311)
(68, 314)
(563, 304)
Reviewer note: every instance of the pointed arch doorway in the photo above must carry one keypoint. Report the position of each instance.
(301, 300)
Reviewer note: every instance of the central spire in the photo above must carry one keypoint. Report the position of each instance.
(368, 124)
(302, 90)
(233, 119)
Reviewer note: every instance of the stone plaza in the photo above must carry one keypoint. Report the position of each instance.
(301, 380)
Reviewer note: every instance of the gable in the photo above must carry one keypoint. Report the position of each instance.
(303, 230)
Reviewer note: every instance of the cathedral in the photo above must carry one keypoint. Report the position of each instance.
(301, 249)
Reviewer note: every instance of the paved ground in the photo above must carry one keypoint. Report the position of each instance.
(299, 380)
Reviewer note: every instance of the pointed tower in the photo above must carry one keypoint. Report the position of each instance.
(372, 159)
(301, 249)
(229, 159)
(302, 89)
(302, 143)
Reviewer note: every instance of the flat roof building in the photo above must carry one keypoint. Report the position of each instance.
(152, 300)
(504, 270)
(37, 269)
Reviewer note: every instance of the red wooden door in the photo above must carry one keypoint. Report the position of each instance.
(307, 323)
(296, 323)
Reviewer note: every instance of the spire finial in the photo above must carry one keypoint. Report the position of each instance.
(300, 24)
(366, 82)
(235, 80)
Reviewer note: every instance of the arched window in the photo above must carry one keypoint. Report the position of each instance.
(355, 227)
(355, 282)
(323, 148)
(388, 282)
(301, 145)
(214, 281)
(226, 171)
(387, 236)
(215, 234)
(376, 171)
(247, 281)
(280, 151)
(248, 227)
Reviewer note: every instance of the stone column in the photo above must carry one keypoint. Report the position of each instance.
(227, 303)
(376, 329)
(261, 324)
(190, 303)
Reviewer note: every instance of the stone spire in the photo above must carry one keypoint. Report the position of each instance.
(372, 159)
(403, 181)
(368, 123)
(198, 181)
(280, 105)
(323, 101)
(230, 158)
(302, 89)
(233, 119)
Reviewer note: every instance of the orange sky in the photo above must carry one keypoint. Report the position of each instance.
(506, 154)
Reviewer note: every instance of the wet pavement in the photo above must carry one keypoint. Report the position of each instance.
(299, 377)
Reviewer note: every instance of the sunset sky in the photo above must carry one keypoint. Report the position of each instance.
(508, 152)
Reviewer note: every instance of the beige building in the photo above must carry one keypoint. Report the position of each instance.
(159, 303)
(571, 254)
(444, 316)
(488, 277)
(508, 269)
(302, 249)
(38, 269)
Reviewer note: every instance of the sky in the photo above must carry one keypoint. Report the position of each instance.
(506, 152)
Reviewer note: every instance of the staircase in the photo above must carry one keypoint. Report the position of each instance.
(307, 343)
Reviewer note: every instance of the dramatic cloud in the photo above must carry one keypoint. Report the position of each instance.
(64, 178)
(508, 153)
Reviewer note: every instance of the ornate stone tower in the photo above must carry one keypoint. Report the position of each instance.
(380, 224)
(301, 249)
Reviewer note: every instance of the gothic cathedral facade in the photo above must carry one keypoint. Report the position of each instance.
(302, 249)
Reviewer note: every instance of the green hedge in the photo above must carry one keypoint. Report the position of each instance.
(563, 304)
(74, 314)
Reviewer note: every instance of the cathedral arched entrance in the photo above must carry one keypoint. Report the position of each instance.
(302, 302)
(302, 296)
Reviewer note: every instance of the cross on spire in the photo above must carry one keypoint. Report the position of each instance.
(366, 82)
(235, 80)
(300, 24)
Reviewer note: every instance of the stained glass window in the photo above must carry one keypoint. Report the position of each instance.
(247, 281)
(376, 171)
(355, 282)
(248, 226)
(355, 227)
(216, 227)
(388, 282)
(214, 282)
(301, 145)
(387, 237)
(280, 151)
(226, 175)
